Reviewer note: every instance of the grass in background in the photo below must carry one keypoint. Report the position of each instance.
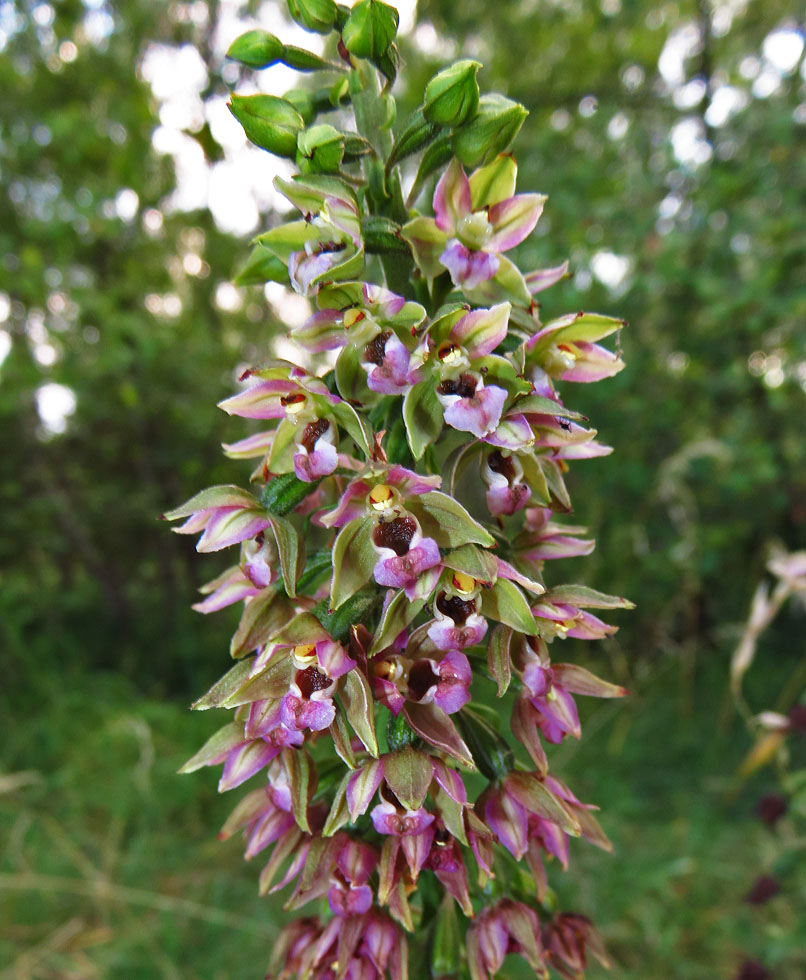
(109, 864)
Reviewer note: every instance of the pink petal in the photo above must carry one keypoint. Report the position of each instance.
(513, 220)
(451, 197)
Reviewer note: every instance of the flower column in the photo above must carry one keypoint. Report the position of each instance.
(383, 585)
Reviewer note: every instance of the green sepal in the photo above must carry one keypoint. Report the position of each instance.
(408, 773)
(477, 563)
(356, 696)
(446, 941)
(370, 29)
(262, 266)
(256, 49)
(498, 657)
(506, 604)
(353, 560)
(291, 551)
(318, 16)
(223, 740)
(339, 814)
(396, 617)
(452, 95)
(301, 784)
(262, 616)
(423, 416)
(447, 521)
(234, 679)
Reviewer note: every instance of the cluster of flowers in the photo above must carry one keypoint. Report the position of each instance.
(388, 596)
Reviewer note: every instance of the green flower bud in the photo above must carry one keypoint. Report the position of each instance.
(256, 49)
(398, 733)
(269, 122)
(320, 150)
(452, 96)
(491, 132)
(314, 15)
(370, 29)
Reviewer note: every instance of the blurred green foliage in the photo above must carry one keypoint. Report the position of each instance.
(695, 234)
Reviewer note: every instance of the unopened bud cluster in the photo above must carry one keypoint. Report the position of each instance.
(393, 687)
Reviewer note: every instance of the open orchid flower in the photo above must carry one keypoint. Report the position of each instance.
(407, 560)
(475, 221)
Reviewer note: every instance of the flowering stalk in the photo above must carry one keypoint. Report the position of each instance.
(383, 585)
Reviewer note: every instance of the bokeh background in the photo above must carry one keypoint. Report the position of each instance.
(671, 140)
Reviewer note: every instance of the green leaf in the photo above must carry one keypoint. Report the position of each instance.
(395, 618)
(447, 941)
(423, 416)
(447, 521)
(505, 603)
(222, 741)
(408, 773)
(353, 560)
(289, 547)
(263, 615)
(356, 696)
(493, 755)
(475, 562)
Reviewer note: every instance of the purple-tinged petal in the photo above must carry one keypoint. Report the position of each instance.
(409, 482)
(271, 827)
(541, 279)
(351, 506)
(583, 450)
(382, 302)
(481, 331)
(468, 269)
(513, 432)
(505, 570)
(310, 466)
(303, 269)
(388, 693)
(451, 197)
(250, 447)
(417, 846)
(259, 401)
(244, 761)
(508, 821)
(362, 786)
(453, 689)
(479, 414)
(333, 658)
(228, 589)
(349, 900)
(227, 527)
(513, 220)
(387, 820)
(322, 331)
(592, 363)
(590, 627)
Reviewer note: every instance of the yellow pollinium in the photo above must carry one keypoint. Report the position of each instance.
(305, 653)
(381, 497)
(464, 584)
(353, 316)
(293, 404)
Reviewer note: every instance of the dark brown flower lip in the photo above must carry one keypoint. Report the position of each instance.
(464, 386)
(312, 431)
(501, 464)
(455, 608)
(312, 679)
(396, 534)
(375, 349)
